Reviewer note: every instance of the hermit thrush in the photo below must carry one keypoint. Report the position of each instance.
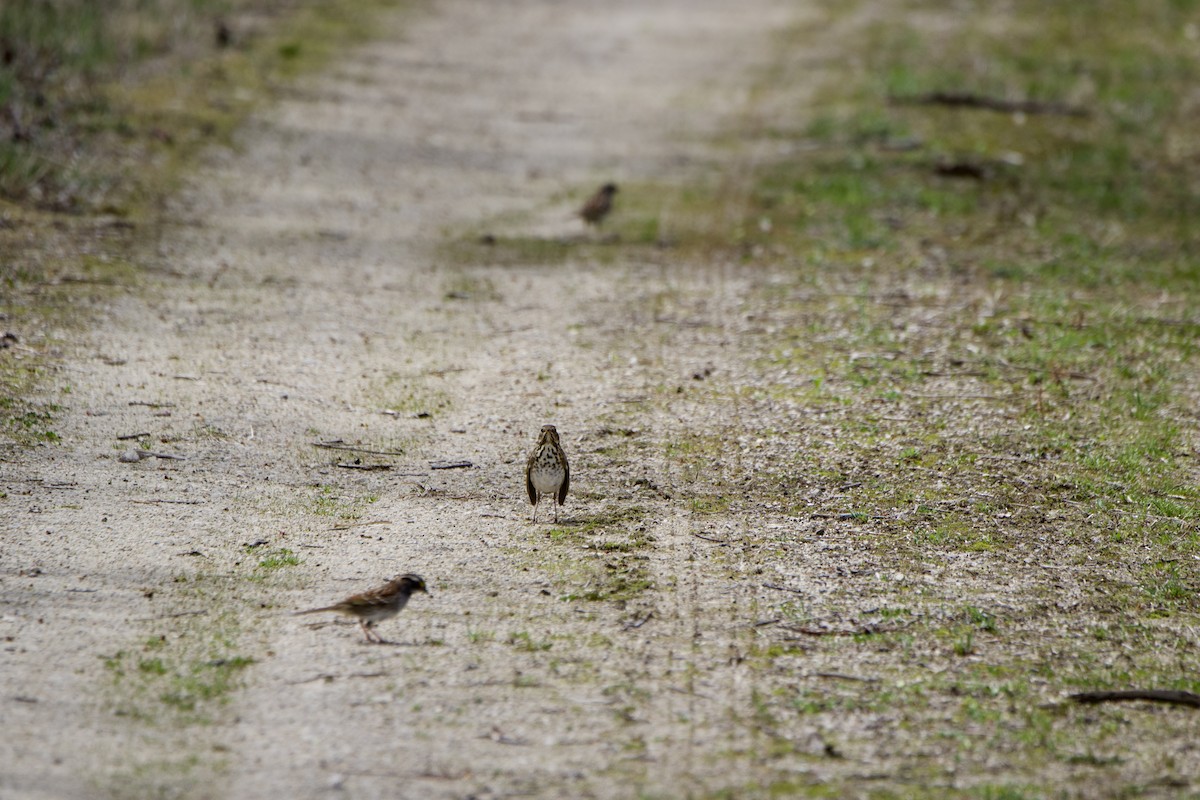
(546, 471)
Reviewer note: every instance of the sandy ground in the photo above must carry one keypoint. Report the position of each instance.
(299, 292)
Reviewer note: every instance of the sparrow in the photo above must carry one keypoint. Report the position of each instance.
(597, 207)
(547, 471)
(377, 604)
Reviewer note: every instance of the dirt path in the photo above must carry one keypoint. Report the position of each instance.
(302, 289)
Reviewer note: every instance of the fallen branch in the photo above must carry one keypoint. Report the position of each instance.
(450, 465)
(1079, 376)
(846, 515)
(338, 444)
(631, 626)
(170, 502)
(972, 100)
(320, 676)
(361, 524)
(866, 630)
(838, 676)
(1171, 696)
(961, 169)
(134, 456)
(369, 467)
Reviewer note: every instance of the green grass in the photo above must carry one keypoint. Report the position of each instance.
(983, 386)
(278, 559)
(602, 558)
(90, 80)
(329, 500)
(25, 421)
(183, 676)
(106, 106)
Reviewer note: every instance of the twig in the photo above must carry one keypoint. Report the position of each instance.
(930, 373)
(1155, 695)
(1079, 376)
(338, 444)
(845, 515)
(838, 676)
(134, 456)
(148, 404)
(80, 279)
(631, 626)
(360, 524)
(997, 457)
(962, 169)
(368, 467)
(865, 630)
(783, 588)
(169, 502)
(972, 100)
(450, 465)
(722, 542)
(127, 436)
(951, 396)
(320, 676)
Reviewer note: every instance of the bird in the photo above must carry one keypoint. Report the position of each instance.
(378, 604)
(222, 33)
(547, 471)
(598, 205)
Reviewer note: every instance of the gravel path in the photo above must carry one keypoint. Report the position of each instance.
(303, 291)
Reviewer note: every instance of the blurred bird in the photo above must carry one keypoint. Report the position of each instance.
(223, 34)
(597, 207)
